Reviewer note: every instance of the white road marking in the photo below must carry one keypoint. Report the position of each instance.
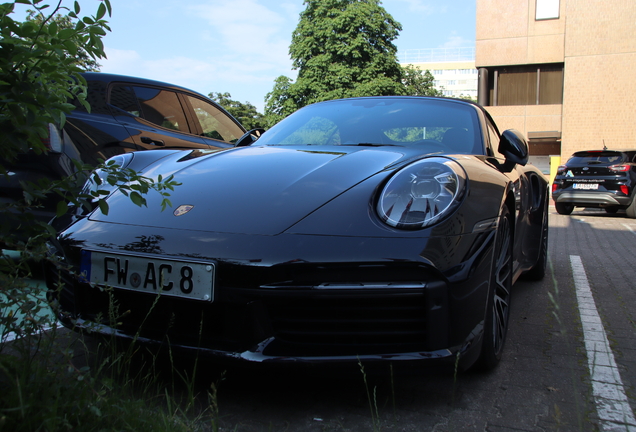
(629, 228)
(612, 405)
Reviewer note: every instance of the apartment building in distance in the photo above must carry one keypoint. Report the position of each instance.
(560, 71)
(453, 68)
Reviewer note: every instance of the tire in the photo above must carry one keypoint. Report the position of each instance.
(631, 210)
(498, 307)
(611, 210)
(564, 209)
(537, 272)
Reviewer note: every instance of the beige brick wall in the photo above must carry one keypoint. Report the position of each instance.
(600, 27)
(596, 40)
(599, 104)
(599, 101)
(508, 34)
(532, 118)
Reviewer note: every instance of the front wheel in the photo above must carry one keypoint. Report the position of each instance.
(498, 308)
(563, 208)
(537, 272)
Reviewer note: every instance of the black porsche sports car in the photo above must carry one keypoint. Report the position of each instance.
(382, 228)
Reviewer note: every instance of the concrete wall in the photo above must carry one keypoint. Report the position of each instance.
(599, 100)
(596, 41)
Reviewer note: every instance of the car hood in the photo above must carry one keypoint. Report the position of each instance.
(249, 190)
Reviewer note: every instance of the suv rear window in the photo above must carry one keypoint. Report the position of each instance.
(603, 157)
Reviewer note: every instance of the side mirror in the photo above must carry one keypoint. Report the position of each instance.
(514, 147)
(249, 137)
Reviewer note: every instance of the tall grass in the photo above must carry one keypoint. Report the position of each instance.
(54, 381)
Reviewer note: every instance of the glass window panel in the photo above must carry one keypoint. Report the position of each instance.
(547, 9)
(517, 88)
(214, 123)
(551, 87)
(123, 97)
(162, 108)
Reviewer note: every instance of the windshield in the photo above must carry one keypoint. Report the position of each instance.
(440, 125)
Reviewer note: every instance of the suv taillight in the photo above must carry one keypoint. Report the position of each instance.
(620, 168)
(54, 141)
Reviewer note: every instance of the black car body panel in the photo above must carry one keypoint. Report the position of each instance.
(305, 268)
(596, 178)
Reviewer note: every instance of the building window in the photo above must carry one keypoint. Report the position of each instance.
(526, 85)
(547, 9)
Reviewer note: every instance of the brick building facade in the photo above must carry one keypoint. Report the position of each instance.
(561, 71)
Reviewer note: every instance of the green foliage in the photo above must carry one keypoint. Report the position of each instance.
(341, 48)
(39, 71)
(39, 74)
(110, 176)
(419, 82)
(245, 113)
(280, 102)
(81, 57)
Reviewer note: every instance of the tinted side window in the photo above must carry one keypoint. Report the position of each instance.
(96, 97)
(161, 107)
(123, 97)
(214, 123)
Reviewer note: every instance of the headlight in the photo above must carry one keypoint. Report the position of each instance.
(98, 180)
(422, 193)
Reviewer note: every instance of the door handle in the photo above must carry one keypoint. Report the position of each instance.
(148, 140)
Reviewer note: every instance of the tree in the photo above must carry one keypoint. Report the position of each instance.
(341, 48)
(279, 103)
(81, 58)
(39, 72)
(419, 82)
(39, 75)
(245, 113)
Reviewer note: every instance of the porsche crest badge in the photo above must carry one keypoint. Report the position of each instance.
(183, 209)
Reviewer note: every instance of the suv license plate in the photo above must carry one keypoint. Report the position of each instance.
(150, 275)
(587, 186)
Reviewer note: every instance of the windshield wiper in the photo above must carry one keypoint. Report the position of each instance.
(369, 145)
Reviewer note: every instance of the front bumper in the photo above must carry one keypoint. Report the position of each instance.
(301, 298)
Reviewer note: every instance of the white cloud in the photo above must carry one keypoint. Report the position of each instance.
(246, 26)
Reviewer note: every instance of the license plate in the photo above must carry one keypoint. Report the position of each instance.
(587, 186)
(150, 275)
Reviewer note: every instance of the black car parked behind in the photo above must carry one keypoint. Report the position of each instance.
(597, 178)
(127, 114)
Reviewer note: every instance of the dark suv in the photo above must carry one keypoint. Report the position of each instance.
(127, 114)
(597, 178)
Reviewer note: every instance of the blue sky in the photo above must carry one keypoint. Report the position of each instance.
(241, 46)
